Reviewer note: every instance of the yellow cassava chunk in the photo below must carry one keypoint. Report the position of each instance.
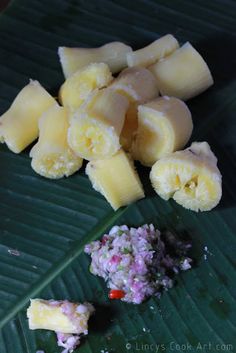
(116, 179)
(164, 126)
(96, 126)
(183, 74)
(51, 156)
(190, 177)
(77, 87)
(59, 316)
(19, 124)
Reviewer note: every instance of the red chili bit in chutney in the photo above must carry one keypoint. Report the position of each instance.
(116, 294)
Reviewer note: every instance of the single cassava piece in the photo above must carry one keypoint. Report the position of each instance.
(78, 86)
(68, 320)
(19, 124)
(183, 74)
(116, 179)
(190, 177)
(96, 126)
(164, 126)
(113, 54)
(51, 156)
(59, 316)
(153, 52)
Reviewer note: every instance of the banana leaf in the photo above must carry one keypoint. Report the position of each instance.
(44, 224)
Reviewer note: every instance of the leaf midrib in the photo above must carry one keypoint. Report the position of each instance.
(62, 264)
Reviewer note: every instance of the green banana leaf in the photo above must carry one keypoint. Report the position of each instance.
(44, 224)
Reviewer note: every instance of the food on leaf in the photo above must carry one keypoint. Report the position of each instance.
(183, 74)
(164, 125)
(95, 127)
(138, 262)
(19, 124)
(51, 156)
(78, 86)
(68, 320)
(101, 114)
(116, 179)
(190, 177)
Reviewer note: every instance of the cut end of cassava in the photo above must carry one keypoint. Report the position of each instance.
(78, 86)
(153, 52)
(164, 126)
(116, 179)
(191, 179)
(183, 74)
(95, 128)
(206, 197)
(56, 165)
(92, 139)
(52, 156)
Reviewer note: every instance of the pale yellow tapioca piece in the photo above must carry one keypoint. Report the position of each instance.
(116, 179)
(164, 126)
(51, 156)
(77, 87)
(59, 316)
(183, 74)
(190, 177)
(19, 125)
(96, 126)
